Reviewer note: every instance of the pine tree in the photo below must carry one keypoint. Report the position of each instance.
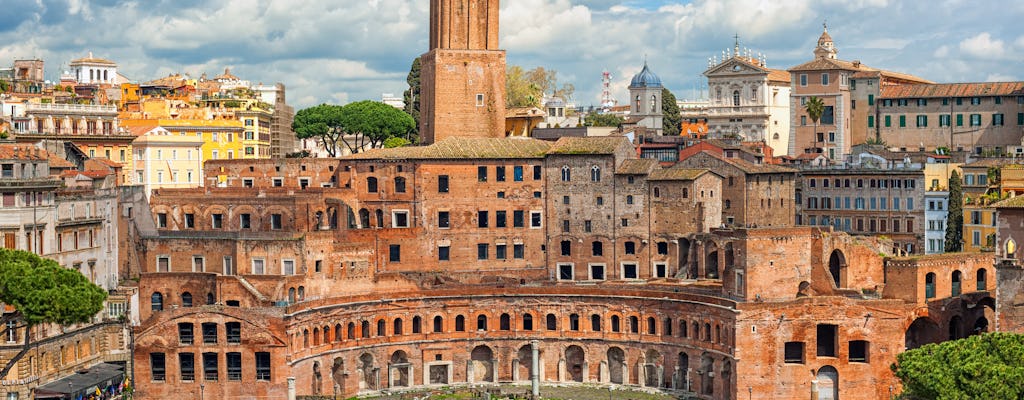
(955, 218)
(672, 121)
(412, 97)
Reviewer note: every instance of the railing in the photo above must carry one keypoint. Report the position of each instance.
(71, 107)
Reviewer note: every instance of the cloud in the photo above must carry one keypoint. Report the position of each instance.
(983, 46)
(1000, 78)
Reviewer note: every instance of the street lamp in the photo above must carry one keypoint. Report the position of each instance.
(202, 390)
(750, 392)
(70, 389)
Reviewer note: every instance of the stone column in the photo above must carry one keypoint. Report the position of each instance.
(515, 370)
(561, 370)
(675, 378)
(814, 389)
(603, 374)
(661, 375)
(625, 373)
(585, 373)
(535, 370)
(494, 370)
(291, 388)
(470, 377)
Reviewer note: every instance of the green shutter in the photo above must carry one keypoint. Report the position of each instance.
(1020, 118)
(959, 120)
(871, 99)
(871, 121)
(888, 121)
(903, 121)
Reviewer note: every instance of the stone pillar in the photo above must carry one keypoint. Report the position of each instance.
(585, 373)
(676, 378)
(470, 377)
(494, 370)
(291, 388)
(641, 374)
(625, 373)
(362, 378)
(661, 376)
(561, 370)
(814, 389)
(535, 370)
(515, 370)
(604, 376)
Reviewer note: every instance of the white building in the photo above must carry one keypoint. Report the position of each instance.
(91, 70)
(645, 101)
(392, 100)
(749, 101)
(936, 213)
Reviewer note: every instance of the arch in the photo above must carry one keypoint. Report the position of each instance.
(726, 379)
(981, 277)
(836, 264)
(368, 375)
(337, 333)
(316, 336)
(364, 218)
(956, 328)
(634, 324)
(399, 369)
(338, 374)
(417, 324)
(921, 332)
(595, 174)
(804, 289)
(551, 322)
(566, 173)
(652, 326)
(351, 331)
(327, 334)
(711, 261)
(666, 327)
(616, 323)
(575, 363)
(438, 324)
(380, 217)
(399, 185)
(654, 104)
(483, 364)
(364, 329)
(318, 383)
(707, 369)
(381, 327)
(305, 338)
(652, 366)
(828, 383)
(956, 278)
(980, 326)
(157, 301)
(683, 363)
(460, 323)
(481, 322)
(505, 322)
(684, 259)
(616, 365)
(527, 322)
(210, 299)
(736, 98)
(525, 357)
(595, 323)
(291, 295)
(707, 332)
(929, 285)
(396, 326)
(186, 299)
(682, 329)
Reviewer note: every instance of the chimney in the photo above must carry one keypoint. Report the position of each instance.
(856, 63)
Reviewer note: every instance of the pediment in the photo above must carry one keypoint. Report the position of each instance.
(734, 66)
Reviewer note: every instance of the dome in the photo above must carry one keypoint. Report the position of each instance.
(645, 78)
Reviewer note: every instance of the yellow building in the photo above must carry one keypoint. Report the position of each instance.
(222, 138)
(979, 224)
(164, 159)
(256, 132)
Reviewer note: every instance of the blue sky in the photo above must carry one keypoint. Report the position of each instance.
(348, 50)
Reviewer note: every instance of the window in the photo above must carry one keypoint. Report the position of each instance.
(482, 251)
(975, 119)
(597, 272)
(565, 272)
(481, 219)
(262, 366)
(157, 367)
(517, 173)
(975, 101)
(922, 121)
(257, 266)
(629, 271)
(824, 79)
(566, 248)
(566, 173)
(888, 121)
(190, 221)
(186, 299)
(903, 121)
(859, 351)
(629, 199)
(157, 301)
(499, 173)
(209, 333)
(871, 99)
(481, 174)
(518, 217)
(275, 221)
(187, 366)
(395, 253)
(660, 270)
(955, 281)
(442, 184)
(185, 333)
(500, 219)
(518, 251)
(443, 219)
(163, 264)
(535, 221)
(443, 253)
(234, 363)
(288, 267)
(277, 182)
(997, 119)
(233, 330)
(827, 340)
(217, 221)
(794, 353)
(736, 98)
(161, 219)
(460, 323)
(944, 120)
(399, 185)
(597, 248)
(871, 121)
(574, 322)
(481, 322)
(630, 247)
(803, 79)
(399, 219)
(479, 100)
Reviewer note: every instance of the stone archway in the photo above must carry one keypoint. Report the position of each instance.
(652, 369)
(726, 380)
(368, 375)
(921, 332)
(836, 265)
(575, 363)
(338, 374)
(956, 328)
(707, 372)
(686, 269)
(616, 365)
(828, 383)
(318, 383)
(400, 369)
(524, 363)
(711, 261)
(482, 364)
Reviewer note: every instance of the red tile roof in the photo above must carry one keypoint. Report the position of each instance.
(22, 152)
(954, 90)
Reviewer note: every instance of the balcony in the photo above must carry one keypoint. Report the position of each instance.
(72, 108)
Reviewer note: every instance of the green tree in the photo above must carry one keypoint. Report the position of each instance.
(370, 123)
(989, 366)
(393, 142)
(412, 97)
(606, 120)
(672, 122)
(322, 122)
(41, 291)
(815, 107)
(527, 88)
(5, 86)
(955, 217)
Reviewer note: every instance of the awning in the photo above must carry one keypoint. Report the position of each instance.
(100, 376)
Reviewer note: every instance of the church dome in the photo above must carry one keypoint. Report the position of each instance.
(645, 78)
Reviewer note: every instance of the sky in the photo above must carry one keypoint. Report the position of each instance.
(339, 51)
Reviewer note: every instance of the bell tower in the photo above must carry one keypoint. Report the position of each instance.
(463, 73)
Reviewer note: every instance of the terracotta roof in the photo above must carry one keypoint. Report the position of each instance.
(588, 145)
(989, 162)
(954, 90)
(465, 148)
(676, 174)
(636, 166)
(141, 129)
(779, 75)
(22, 152)
(809, 156)
(827, 63)
(92, 60)
(749, 167)
(1013, 202)
(227, 75)
(94, 164)
(59, 162)
(524, 112)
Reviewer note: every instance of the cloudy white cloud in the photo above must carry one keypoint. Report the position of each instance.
(347, 50)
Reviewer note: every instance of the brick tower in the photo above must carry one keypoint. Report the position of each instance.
(463, 73)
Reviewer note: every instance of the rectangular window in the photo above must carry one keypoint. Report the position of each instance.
(443, 253)
(630, 248)
(500, 219)
(443, 220)
(565, 272)
(888, 121)
(157, 367)
(975, 119)
(803, 79)
(288, 267)
(481, 174)
(859, 351)
(217, 221)
(794, 353)
(871, 99)
(482, 251)
(277, 182)
(442, 184)
(629, 271)
(482, 219)
(975, 101)
(535, 219)
(959, 119)
(500, 251)
(566, 248)
(258, 266)
(395, 253)
(827, 340)
(944, 120)
(399, 219)
(163, 264)
(922, 121)
(536, 172)
(275, 221)
(597, 272)
(824, 79)
(187, 366)
(871, 121)
(262, 366)
(517, 173)
(233, 330)
(244, 221)
(186, 335)
(1020, 118)
(499, 173)
(209, 333)
(518, 219)
(161, 218)
(234, 362)
(997, 119)
(518, 251)
(661, 270)
(903, 121)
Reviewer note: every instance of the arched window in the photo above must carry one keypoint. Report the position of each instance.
(566, 174)
(551, 322)
(381, 327)
(652, 326)
(305, 338)
(666, 329)
(438, 324)
(397, 327)
(718, 94)
(982, 285)
(291, 295)
(460, 323)
(616, 323)
(629, 199)
(929, 285)
(380, 218)
(707, 332)
(637, 103)
(527, 322)
(505, 322)
(682, 329)
(574, 322)
(364, 328)
(417, 323)
(351, 331)
(337, 332)
(956, 279)
(728, 204)
(302, 293)
(595, 174)
(657, 192)
(481, 322)
(186, 299)
(634, 324)
(371, 184)
(736, 98)
(595, 323)
(654, 104)
(210, 299)
(158, 301)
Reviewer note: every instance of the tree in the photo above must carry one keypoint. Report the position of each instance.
(41, 291)
(989, 366)
(672, 121)
(393, 142)
(322, 122)
(527, 88)
(606, 120)
(955, 217)
(373, 122)
(412, 97)
(815, 107)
